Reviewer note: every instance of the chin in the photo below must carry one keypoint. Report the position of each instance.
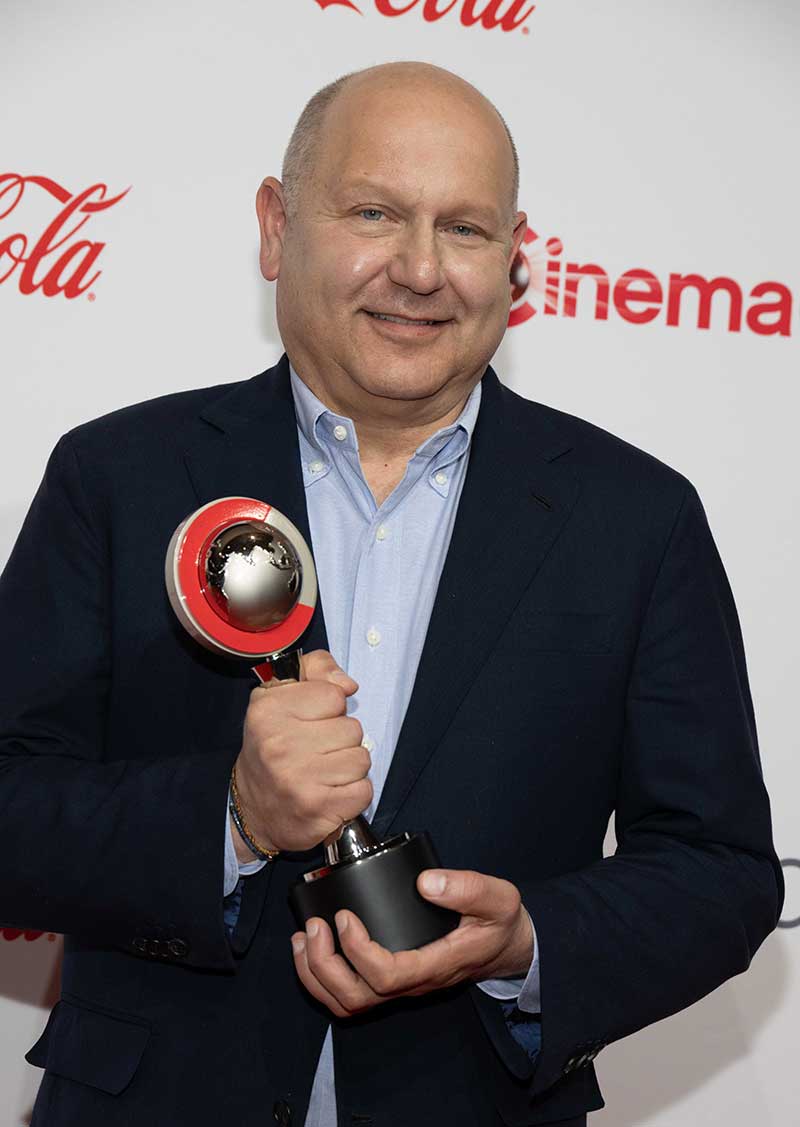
(405, 378)
(403, 386)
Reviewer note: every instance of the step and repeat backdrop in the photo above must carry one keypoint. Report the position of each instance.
(657, 296)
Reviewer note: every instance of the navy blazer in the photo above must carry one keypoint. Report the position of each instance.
(583, 657)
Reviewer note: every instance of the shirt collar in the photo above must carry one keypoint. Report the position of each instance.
(317, 422)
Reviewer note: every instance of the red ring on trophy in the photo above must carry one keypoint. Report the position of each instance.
(185, 573)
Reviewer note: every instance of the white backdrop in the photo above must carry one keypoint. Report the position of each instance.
(655, 137)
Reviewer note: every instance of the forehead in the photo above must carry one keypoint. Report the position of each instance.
(425, 143)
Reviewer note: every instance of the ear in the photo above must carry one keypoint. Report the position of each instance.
(520, 227)
(271, 211)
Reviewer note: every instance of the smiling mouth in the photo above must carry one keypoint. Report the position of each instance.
(401, 320)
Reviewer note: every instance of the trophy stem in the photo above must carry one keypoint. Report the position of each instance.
(350, 841)
(283, 666)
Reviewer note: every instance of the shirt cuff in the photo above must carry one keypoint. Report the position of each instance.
(525, 990)
(233, 869)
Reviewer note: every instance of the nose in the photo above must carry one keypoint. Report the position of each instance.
(416, 262)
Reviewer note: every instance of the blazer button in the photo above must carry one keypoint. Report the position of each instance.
(282, 1113)
(178, 948)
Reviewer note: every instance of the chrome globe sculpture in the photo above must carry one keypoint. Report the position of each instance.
(254, 575)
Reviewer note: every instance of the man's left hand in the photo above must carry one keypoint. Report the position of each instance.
(493, 940)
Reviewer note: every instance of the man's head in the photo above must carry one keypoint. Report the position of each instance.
(399, 200)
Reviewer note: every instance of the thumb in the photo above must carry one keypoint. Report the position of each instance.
(319, 665)
(470, 893)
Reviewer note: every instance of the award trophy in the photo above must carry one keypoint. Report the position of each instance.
(242, 582)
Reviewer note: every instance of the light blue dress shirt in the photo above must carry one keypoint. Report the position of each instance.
(378, 569)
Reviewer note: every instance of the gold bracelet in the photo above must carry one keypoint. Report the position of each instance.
(236, 812)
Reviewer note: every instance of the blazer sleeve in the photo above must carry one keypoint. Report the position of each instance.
(694, 886)
(126, 853)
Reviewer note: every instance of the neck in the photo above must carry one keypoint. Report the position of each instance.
(384, 451)
(390, 430)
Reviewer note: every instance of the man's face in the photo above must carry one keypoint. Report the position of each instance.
(408, 217)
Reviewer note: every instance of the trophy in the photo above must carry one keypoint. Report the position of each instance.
(242, 582)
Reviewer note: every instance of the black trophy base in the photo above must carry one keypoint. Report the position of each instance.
(380, 887)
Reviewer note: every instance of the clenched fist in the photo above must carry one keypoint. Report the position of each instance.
(302, 771)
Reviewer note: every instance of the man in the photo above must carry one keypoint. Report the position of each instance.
(548, 636)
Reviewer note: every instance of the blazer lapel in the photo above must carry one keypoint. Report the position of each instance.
(515, 502)
(246, 446)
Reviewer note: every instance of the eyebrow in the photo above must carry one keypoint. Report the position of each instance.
(373, 188)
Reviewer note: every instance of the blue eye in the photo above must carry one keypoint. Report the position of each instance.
(462, 228)
(371, 213)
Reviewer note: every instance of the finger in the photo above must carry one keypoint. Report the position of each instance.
(351, 799)
(309, 700)
(332, 972)
(309, 980)
(470, 893)
(389, 974)
(328, 735)
(338, 768)
(319, 665)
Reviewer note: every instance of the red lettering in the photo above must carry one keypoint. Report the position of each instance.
(521, 314)
(706, 290)
(490, 16)
(386, 8)
(67, 272)
(574, 275)
(48, 243)
(432, 12)
(72, 287)
(6, 247)
(782, 307)
(553, 278)
(638, 287)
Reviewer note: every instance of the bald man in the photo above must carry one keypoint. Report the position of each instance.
(524, 628)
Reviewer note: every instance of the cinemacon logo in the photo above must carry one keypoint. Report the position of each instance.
(508, 15)
(547, 281)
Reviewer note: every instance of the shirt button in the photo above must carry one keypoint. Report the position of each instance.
(368, 743)
(340, 433)
(382, 533)
(373, 636)
(441, 478)
(316, 467)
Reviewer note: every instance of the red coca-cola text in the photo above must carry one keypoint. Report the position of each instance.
(508, 15)
(52, 262)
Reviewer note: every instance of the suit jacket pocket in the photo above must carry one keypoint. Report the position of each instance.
(565, 631)
(91, 1047)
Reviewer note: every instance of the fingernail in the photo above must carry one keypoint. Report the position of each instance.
(312, 927)
(434, 883)
(342, 920)
(341, 678)
(298, 944)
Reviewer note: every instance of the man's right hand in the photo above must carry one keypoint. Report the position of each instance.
(302, 771)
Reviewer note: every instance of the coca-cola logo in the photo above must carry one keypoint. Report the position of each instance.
(39, 220)
(507, 15)
(545, 282)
